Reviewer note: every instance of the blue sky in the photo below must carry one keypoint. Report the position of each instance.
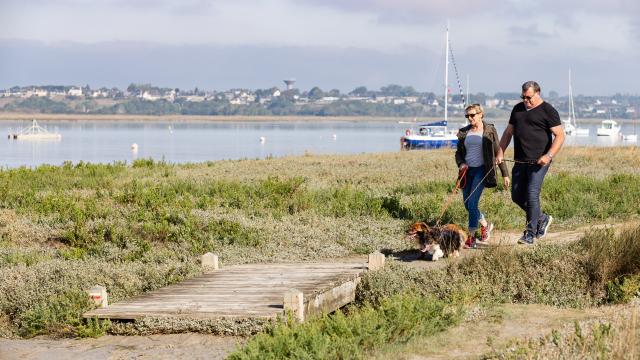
(220, 44)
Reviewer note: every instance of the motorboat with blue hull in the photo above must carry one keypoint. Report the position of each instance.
(434, 135)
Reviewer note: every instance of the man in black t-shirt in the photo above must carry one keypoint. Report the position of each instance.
(532, 124)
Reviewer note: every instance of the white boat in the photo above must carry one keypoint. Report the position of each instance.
(35, 132)
(609, 128)
(434, 135)
(570, 125)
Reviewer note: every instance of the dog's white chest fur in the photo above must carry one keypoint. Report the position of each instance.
(435, 252)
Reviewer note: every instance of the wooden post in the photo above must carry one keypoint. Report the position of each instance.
(210, 261)
(98, 295)
(376, 261)
(294, 301)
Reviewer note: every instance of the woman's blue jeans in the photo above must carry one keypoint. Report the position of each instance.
(471, 194)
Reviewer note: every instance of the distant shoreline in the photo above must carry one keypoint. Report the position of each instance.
(127, 117)
(5, 116)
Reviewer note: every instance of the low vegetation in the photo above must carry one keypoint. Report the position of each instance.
(136, 227)
(616, 338)
(567, 275)
(355, 334)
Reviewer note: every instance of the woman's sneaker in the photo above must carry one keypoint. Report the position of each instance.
(470, 243)
(485, 233)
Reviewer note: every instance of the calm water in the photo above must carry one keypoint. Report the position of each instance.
(178, 142)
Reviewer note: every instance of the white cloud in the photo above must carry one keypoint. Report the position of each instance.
(545, 34)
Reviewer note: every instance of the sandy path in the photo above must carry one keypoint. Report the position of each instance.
(497, 329)
(175, 346)
(499, 238)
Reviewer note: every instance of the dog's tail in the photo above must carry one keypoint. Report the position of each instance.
(462, 236)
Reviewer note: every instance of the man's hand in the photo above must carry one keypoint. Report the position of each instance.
(463, 166)
(544, 160)
(506, 182)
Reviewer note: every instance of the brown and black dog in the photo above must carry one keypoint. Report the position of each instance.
(449, 237)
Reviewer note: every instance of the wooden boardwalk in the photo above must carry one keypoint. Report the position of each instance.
(255, 291)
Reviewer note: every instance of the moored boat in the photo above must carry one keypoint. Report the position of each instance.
(35, 132)
(608, 128)
(433, 135)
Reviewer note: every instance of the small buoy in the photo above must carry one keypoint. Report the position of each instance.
(262, 139)
(334, 136)
(134, 147)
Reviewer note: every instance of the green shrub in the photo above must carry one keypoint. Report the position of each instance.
(47, 295)
(93, 328)
(397, 320)
(550, 275)
(72, 253)
(623, 289)
(609, 256)
(59, 314)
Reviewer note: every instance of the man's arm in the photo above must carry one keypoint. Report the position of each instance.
(504, 143)
(558, 140)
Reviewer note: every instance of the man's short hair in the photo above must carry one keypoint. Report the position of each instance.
(531, 84)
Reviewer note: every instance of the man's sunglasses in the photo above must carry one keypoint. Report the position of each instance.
(471, 115)
(526, 97)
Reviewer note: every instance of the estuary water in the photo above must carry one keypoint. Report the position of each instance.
(104, 141)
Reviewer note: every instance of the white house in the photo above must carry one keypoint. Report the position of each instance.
(151, 96)
(74, 91)
(40, 93)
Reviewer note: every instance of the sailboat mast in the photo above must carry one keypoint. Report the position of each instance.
(446, 74)
(468, 101)
(572, 109)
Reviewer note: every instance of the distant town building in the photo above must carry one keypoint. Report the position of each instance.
(75, 91)
(289, 83)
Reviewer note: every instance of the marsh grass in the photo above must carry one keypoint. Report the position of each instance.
(552, 275)
(613, 262)
(616, 338)
(103, 224)
(559, 275)
(602, 267)
(355, 335)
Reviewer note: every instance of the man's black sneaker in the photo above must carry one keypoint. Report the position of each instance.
(543, 226)
(527, 238)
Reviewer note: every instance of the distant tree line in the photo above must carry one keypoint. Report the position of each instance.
(392, 100)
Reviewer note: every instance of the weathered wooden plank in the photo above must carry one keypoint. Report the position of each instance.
(244, 291)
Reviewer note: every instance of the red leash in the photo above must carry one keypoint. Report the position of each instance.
(460, 183)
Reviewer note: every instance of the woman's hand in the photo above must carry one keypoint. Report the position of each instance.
(506, 182)
(499, 157)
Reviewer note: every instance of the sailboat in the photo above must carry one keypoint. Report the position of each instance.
(434, 135)
(632, 137)
(570, 125)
